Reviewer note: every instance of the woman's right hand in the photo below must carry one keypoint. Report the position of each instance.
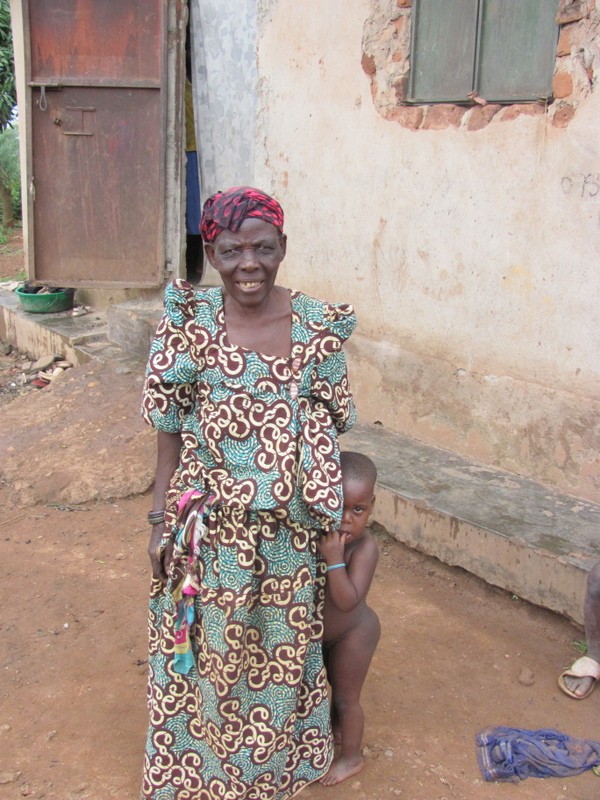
(160, 552)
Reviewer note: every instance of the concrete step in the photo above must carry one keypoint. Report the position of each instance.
(81, 338)
(513, 533)
(132, 325)
(59, 332)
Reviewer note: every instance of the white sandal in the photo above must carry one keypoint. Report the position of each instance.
(584, 667)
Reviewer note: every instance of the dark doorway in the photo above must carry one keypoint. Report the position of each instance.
(194, 253)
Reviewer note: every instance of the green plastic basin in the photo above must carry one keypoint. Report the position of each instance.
(62, 300)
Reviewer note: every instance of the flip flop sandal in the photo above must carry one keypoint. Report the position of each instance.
(584, 667)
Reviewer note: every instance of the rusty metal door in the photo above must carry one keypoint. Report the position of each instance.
(97, 78)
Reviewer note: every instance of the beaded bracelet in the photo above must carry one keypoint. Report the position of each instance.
(334, 566)
(156, 517)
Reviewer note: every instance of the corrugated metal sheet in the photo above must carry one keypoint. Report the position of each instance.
(97, 77)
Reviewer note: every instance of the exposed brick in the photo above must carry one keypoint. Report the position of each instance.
(563, 116)
(388, 67)
(571, 11)
(408, 116)
(480, 116)
(565, 42)
(442, 116)
(509, 113)
(562, 85)
(401, 88)
(368, 64)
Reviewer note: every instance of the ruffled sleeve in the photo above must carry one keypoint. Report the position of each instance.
(330, 378)
(171, 374)
(340, 319)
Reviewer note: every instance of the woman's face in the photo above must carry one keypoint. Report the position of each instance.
(248, 260)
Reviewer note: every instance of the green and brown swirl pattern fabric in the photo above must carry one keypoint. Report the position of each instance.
(251, 718)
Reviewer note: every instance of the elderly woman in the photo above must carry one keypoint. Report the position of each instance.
(247, 387)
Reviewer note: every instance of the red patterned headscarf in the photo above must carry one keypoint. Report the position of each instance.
(227, 210)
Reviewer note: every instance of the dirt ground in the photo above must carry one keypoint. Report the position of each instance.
(456, 655)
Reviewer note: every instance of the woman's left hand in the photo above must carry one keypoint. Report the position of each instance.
(160, 552)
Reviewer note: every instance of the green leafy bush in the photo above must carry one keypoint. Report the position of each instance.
(10, 180)
(10, 195)
(8, 95)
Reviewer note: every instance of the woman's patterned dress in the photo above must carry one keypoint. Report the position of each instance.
(237, 688)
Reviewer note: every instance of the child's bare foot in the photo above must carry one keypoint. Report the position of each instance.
(342, 768)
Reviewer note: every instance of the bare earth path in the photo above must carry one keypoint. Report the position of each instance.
(76, 464)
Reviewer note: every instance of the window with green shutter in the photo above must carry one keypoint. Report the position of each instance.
(500, 50)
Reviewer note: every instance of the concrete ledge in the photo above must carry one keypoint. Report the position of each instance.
(59, 333)
(78, 339)
(512, 532)
(133, 325)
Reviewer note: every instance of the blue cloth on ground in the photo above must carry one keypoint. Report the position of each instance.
(513, 754)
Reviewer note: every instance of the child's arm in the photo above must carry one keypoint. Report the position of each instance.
(348, 585)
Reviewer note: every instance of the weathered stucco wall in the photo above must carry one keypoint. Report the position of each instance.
(471, 255)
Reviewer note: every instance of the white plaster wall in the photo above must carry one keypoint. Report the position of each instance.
(471, 257)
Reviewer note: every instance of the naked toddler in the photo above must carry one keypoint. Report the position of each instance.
(351, 628)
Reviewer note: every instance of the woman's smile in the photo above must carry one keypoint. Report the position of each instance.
(249, 285)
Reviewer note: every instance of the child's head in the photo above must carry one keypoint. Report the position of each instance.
(359, 475)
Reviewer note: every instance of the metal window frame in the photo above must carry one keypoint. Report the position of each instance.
(475, 71)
